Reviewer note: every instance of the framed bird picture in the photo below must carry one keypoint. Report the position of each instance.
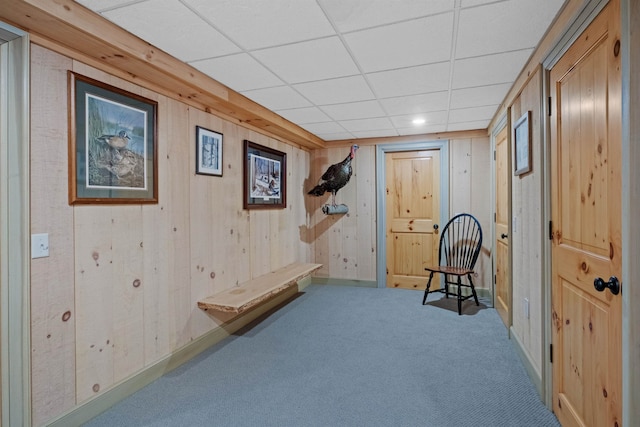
(265, 177)
(112, 144)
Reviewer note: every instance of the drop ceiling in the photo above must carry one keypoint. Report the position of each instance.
(345, 69)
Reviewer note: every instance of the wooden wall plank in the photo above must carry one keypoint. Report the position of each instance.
(52, 278)
(527, 232)
(166, 239)
(94, 300)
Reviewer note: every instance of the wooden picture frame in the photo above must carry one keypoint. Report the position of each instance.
(265, 177)
(112, 144)
(522, 144)
(208, 152)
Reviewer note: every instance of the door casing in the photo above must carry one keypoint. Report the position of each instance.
(15, 354)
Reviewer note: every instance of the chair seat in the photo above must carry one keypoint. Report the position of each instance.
(458, 271)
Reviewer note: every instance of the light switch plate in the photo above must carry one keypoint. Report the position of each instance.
(39, 245)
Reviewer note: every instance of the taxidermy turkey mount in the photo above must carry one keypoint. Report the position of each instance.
(334, 178)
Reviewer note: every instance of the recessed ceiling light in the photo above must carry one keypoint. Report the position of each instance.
(419, 121)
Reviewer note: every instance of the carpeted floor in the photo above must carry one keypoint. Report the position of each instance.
(348, 356)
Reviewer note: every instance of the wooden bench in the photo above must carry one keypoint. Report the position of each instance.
(256, 291)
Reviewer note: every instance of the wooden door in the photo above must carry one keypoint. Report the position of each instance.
(586, 206)
(503, 277)
(413, 216)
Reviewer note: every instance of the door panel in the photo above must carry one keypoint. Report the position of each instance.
(586, 204)
(413, 209)
(503, 275)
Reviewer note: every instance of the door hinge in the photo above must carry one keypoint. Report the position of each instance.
(495, 217)
(494, 154)
(549, 106)
(550, 230)
(495, 279)
(550, 353)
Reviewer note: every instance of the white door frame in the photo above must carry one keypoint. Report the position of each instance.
(15, 354)
(381, 150)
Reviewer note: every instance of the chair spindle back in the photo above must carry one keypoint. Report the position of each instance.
(460, 242)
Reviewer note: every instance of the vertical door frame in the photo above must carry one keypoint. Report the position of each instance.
(503, 122)
(15, 354)
(381, 150)
(630, 19)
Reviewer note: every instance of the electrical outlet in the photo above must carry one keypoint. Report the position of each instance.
(39, 245)
(526, 307)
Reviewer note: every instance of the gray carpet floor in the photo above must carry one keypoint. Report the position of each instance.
(348, 356)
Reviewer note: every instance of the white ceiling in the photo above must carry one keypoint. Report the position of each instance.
(346, 69)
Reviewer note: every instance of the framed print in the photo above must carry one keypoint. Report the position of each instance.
(208, 152)
(265, 177)
(522, 144)
(112, 144)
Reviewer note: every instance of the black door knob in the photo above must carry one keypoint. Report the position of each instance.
(503, 236)
(435, 227)
(613, 284)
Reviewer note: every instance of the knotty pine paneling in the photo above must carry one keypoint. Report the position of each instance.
(129, 276)
(345, 244)
(527, 234)
(52, 278)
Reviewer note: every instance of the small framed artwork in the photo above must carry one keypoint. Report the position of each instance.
(522, 144)
(208, 152)
(112, 144)
(265, 177)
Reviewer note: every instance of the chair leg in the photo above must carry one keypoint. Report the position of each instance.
(459, 295)
(473, 289)
(446, 286)
(426, 291)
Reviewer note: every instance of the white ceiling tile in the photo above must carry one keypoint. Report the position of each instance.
(102, 5)
(335, 136)
(403, 45)
(423, 129)
(336, 91)
(277, 98)
(305, 115)
(375, 133)
(410, 81)
(309, 61)
(480, 124)
(490, 69)
(422, 103)
(471, 3)
(354, 15)
(479, 96)
(324, 127)
(354, 110)
(240, 72)
(430, 119)
(472, 114)
(485, 30)
(257, 24)
(379, 123)
(164, 26)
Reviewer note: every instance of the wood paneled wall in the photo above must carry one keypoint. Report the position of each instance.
(119, 289)
(528, 230)
(346, 244)
(470, 191)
